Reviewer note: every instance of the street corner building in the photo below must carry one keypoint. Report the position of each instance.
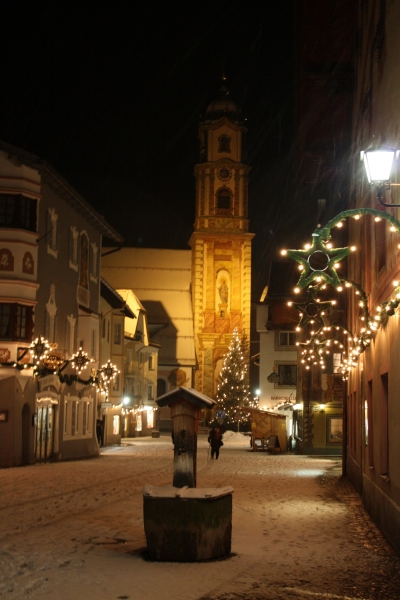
(50, 248)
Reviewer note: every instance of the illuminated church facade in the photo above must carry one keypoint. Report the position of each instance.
(194, 299)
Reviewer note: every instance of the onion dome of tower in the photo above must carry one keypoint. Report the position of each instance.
(223, 106)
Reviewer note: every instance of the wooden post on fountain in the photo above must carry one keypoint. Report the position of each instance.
(185, 404)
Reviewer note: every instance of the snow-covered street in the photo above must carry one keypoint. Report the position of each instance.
(74, 530)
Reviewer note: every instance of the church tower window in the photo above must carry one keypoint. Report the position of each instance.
(224, 198)
(224, 143)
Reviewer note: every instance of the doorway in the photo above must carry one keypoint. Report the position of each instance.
(44, 432)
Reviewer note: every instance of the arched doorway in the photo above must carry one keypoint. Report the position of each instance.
(26, 427)
(44, 434)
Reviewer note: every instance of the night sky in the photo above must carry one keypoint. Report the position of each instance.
(112, 99)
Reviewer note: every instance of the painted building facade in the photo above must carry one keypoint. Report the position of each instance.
(51, 243)
(373, 408)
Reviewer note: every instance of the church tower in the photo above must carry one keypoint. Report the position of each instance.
(221, 243)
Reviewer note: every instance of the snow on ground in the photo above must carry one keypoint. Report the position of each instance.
(74, 530)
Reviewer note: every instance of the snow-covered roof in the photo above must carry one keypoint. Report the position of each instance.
(161, 279)
(188, 394)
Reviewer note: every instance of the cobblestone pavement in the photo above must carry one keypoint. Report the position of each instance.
(371, 570)
(74, 531)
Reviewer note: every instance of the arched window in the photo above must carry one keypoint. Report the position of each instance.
(224, 201)
(224, 143)
(84, 262)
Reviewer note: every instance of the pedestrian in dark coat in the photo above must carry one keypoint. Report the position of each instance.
(215, 441)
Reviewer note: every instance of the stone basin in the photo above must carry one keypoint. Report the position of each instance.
(187, 524)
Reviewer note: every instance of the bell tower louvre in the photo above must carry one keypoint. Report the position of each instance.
(221, 242)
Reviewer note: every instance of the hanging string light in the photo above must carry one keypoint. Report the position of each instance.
(318, 263)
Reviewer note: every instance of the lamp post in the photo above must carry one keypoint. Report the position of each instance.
(378, 164)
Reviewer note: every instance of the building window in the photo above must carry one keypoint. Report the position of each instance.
(370, 425)
(138, 422)
(333, 362)
(51, 232)
(78, 416)
(285, 340)
(73, 248)
(150, 392)
(224, 143)
(384, 424)
(287, 373)
(115, 383)
(116, 425)
(94, 261)
(130, 386)
(17, 212)
(334, 429)
(84, 262)
(150, 419)
(151, 362)
(224, 199)
(16, 322)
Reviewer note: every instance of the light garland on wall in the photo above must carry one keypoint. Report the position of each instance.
(46, 360)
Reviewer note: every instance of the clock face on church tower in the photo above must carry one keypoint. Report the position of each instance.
(224, 173)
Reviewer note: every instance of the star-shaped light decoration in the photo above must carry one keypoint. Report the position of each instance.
(312, 310)
(312, 351)
(108, 372)
(39, 349)
(79, 360)
(318, 261)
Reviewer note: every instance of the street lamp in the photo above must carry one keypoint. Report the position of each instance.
(378, 164)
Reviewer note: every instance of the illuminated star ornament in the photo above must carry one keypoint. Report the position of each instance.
(312, 351)
(312, 310)
(318, 262)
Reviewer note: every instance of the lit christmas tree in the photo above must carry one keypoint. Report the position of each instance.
(233, 391)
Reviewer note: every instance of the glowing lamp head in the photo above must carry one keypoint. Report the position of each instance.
(378, 164)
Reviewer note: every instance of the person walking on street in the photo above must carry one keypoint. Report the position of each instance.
(215, 441)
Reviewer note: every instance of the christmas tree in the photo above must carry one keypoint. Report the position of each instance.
(233, 391)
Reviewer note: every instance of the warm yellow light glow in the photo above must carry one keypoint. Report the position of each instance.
(283, 252)
(296, 290)
(340, 224)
